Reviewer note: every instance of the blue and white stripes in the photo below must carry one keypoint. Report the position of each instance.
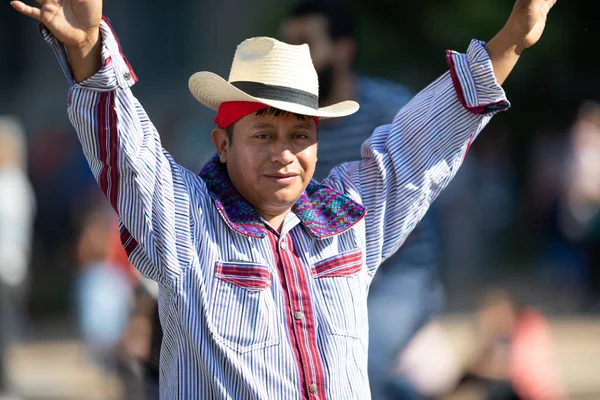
(284, 316)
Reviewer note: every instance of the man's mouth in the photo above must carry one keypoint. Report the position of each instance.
(280, 178)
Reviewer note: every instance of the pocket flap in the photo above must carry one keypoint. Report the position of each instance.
(247, 275)
(343, 264)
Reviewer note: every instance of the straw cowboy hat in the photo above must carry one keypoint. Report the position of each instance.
(271, 72)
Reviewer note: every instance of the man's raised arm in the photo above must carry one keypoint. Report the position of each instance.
(149, 191)
(406, 165)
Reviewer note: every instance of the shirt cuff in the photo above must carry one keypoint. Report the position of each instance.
(115, 72)
(474, 80)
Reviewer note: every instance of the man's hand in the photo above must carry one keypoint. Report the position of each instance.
(527, 21)
(75, 23)
(522, 30)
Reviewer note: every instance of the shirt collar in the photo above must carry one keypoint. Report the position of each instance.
(323, 211)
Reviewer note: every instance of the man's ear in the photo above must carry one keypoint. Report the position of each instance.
(221, 141)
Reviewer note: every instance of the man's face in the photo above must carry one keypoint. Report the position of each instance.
(270, 160)
(312, 30)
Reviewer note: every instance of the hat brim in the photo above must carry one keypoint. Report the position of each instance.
(212, 90)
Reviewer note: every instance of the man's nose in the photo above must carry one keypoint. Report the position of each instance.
(281, 153)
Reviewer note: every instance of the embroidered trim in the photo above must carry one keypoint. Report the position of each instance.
(323, 211)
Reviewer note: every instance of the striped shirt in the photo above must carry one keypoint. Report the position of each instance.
(248, 312)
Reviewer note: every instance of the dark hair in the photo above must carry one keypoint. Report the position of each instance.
(261, 113)
(340, 18)
(229, 131)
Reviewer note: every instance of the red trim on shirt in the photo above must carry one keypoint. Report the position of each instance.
(117, 256)
(133, 75)
(113, 143)
(108, 147)
(249, 276)
(288, 312)
(480, 109)
(300, 299)
(102, 141)
(344, 264)
(128, 242)
(468, 146)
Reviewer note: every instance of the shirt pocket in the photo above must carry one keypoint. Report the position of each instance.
(243, 309)
(339, 283)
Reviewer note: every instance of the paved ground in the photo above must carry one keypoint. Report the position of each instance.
(59, 369)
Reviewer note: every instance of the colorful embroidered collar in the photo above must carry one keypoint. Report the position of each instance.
(323, 211)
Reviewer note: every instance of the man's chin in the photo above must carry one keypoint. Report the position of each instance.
(286, 195)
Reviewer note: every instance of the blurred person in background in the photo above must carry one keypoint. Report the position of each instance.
(579, 217)
(142, 339)
(560, 266)
(104, 292)
(565, 171)
(17, 211)
(407, 289)
(515, 353)
(507, 353)
(146, 324)
(61, 179)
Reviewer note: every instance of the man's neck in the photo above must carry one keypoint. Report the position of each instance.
(274, 221)
(344, 88)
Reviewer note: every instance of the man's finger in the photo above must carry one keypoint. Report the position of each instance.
(548, 4)
(27, 10)
(537, 3)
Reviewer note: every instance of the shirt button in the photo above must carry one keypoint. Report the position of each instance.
(127, 76)
(284, 245)
(298, 315)
(313, 388)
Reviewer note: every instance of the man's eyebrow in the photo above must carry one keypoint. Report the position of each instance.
(302, 125)
(259, 125)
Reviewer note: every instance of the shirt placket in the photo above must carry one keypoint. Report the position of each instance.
(299, 312)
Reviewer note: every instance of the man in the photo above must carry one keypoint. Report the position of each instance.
(264, 274)
(407, 289)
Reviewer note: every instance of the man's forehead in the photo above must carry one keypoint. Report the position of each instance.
(283, 117)
(274, 119)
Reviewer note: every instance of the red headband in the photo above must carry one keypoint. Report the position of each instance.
(232, 111)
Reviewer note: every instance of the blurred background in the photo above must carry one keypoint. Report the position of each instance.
(519, 226)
